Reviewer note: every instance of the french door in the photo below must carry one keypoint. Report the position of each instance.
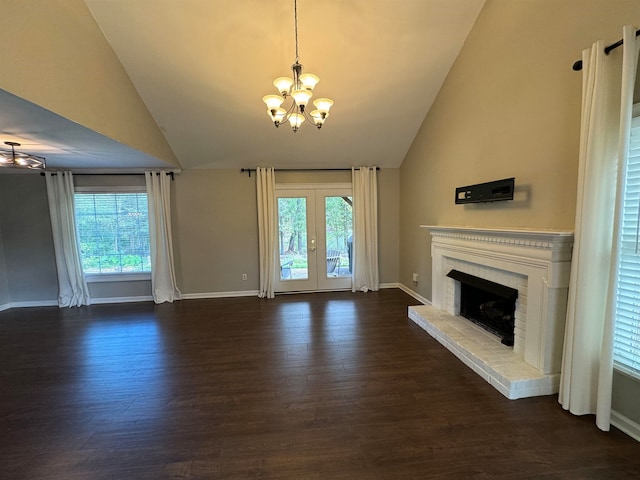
(315, 231)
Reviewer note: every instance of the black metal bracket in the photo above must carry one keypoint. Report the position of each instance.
(486, 192)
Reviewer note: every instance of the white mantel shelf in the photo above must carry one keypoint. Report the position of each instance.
(501, 230)
(533, 238)
(551, 245)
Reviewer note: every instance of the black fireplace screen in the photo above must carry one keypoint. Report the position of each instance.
(488, 304)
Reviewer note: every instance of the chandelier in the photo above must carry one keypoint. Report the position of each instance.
(299, 90)
(20, 160)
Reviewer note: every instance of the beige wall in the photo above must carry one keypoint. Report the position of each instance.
(215, 231)
(625, 395)
(27, 240)
(510, 107)
(216, 227)
(54, 55)
(389, 224)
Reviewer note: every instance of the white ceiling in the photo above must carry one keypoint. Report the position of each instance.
(203, 66)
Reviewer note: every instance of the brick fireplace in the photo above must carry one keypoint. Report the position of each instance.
(537, 265)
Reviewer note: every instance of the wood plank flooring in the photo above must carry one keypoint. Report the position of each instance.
(315, 386)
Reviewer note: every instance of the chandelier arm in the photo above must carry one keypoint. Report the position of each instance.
(293, 107)
(311, 120)
(308, 117)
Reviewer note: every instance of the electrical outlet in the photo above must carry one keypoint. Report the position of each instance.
(415, 278)
(244, 276)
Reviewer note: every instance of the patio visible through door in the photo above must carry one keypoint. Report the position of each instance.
(315, 238)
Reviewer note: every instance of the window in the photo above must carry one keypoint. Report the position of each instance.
(113, 232)
(627, 327)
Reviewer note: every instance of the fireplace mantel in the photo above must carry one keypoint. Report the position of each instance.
(550, 241)
(535, 262)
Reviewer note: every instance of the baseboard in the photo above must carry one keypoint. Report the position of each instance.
(415, 295)
(254, 293)
(99, 301)
(239, 293)
(626, 425)
(38, 303)
(187, 296)
(94, 301)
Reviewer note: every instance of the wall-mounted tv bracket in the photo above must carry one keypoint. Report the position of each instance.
(486, 192)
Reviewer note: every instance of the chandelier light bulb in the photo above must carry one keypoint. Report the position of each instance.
(278, 115)
(323, 104)
(319, 117)
(273, 101)
(309, 80)
(296, 119)
(301, 97)
(283, 84)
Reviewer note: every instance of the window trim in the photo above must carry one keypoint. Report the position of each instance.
(117, 277)
(619, 367)
(114, 277)
(111, 189)
(626, 371)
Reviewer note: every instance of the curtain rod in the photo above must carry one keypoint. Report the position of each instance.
(249, 170)
(108, 174)
(577, 66)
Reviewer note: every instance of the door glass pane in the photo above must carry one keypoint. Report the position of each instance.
(292, 226)
(339, 236)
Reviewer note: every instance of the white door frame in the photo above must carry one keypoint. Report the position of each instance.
(316, 236)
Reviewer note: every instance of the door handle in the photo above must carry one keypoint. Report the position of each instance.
(313, 245)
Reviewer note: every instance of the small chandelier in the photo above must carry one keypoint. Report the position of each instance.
(299, 89)
(20, 160)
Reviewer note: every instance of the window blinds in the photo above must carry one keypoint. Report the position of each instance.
(627, 324)
(113, 232)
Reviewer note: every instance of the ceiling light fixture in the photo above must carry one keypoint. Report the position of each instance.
(20, 160)
(299, 89)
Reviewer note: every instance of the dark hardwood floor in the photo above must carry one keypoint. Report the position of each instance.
(331, 386)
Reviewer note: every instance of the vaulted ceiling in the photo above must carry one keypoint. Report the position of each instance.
(203, 66)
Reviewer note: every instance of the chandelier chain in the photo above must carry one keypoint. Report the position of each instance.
(295, 18)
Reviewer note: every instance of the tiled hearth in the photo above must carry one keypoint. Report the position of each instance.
(481, 351)
(537, 264)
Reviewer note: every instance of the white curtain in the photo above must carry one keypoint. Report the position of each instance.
(267, 230)
(607, 93)
(163, 276)
(72, 287)
(365, 229)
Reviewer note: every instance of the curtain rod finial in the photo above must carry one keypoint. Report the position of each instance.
(577, 66)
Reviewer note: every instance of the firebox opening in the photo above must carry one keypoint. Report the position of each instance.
(488, 304)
